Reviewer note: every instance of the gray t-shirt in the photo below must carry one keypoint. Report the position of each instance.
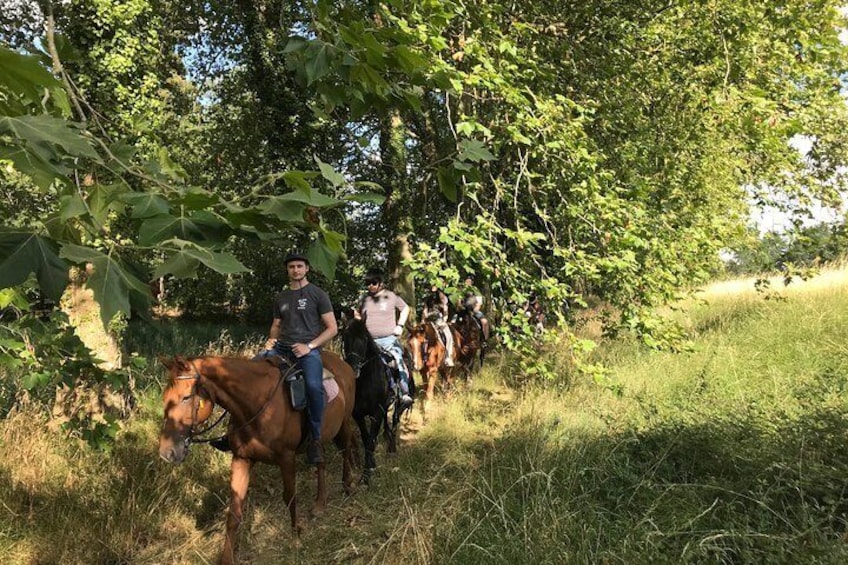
(299, 312)
(380, 312)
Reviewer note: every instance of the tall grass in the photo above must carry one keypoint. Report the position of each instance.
(735, 452)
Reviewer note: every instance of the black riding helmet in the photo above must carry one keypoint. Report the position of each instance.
(295, 256)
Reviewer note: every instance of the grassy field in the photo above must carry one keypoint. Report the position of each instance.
(735, 452)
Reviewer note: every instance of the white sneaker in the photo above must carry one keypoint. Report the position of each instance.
(406, 400)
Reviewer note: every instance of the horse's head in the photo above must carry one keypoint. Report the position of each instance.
(356, 343)
(187, 404)
(415, 344)
(469, 329)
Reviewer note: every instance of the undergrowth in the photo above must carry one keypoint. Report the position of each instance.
(733, 452)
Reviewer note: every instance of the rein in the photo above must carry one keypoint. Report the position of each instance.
(192, 435)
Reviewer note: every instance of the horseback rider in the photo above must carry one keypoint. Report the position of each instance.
(472, 301)
(435, 310)
(379, 308)
(303, 322)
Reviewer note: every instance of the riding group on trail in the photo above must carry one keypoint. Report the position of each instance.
(295, 397)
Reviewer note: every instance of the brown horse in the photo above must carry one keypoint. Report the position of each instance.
(263, 425)
(471, 342)
(428, 356)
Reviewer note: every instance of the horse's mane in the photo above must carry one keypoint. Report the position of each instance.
(358, 330)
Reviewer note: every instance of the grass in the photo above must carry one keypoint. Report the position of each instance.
(734, 452)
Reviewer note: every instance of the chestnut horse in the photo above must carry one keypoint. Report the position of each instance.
(263, 425)
(428, 356)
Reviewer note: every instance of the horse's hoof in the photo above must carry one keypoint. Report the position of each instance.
(317, 510)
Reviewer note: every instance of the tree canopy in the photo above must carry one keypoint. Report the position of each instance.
(567, 149)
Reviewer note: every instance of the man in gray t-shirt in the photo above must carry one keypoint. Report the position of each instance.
(303, 322)
(385, 314)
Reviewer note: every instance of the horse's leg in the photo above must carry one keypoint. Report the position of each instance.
(287, 468)
(321, 493)
(344, 440)
(368, 444)
(239, 481)
(391, 427)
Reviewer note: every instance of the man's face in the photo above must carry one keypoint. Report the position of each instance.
(297, 270)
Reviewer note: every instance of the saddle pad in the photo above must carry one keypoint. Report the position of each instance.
(331, 389)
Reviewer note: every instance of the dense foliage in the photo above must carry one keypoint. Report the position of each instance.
(598, 149)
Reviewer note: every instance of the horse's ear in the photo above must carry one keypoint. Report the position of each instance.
(167, 361)
(180, 363)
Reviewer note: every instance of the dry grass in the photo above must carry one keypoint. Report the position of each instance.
(733, 452)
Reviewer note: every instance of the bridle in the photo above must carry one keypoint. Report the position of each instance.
(191, 437)
(358, 360)
(195, 406)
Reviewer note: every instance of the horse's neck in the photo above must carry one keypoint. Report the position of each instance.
(238, 385)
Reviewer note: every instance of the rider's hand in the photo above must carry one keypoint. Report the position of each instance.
(300, 349)
(398, 330)
(270, 343)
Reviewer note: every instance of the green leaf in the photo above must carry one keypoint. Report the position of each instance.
(329, 173)
(22, 253)
(323, 258)
(180, 264)
(42, 172)
(71, 206)
(146, 204)
(102, 198)
(164, 226)
(50, 138)
(298, 180)
(312, 198)
(184, 262)
(111, 283)
(295, 44)
(11, 297)
(317, 61)
(24, 76)
(196, 198)
(334, 241)
(447, 183)
(474, 150)
(284, 210)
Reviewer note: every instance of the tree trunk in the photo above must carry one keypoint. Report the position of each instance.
(397, 210)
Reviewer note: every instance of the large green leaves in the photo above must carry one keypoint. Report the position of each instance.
(23, 75)
(110, 281)
(42, 146)
(23, 253)
(184, 262)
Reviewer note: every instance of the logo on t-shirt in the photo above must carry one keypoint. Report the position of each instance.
(301, 303)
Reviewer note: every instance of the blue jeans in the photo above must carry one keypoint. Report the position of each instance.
(313, 375)
(391, 345)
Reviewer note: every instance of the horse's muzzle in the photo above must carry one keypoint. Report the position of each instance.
(171, 451)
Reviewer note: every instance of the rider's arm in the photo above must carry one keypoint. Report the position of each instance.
(273, 334)
(330, 331)
(401, 321)
(404, 314)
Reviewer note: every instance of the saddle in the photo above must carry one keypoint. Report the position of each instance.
(293, 376)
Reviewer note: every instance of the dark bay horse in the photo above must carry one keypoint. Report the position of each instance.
(471, 347)
(428, 356)
(263, 425)
(374, 398)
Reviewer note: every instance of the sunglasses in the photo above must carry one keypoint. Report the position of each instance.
(372, 283)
